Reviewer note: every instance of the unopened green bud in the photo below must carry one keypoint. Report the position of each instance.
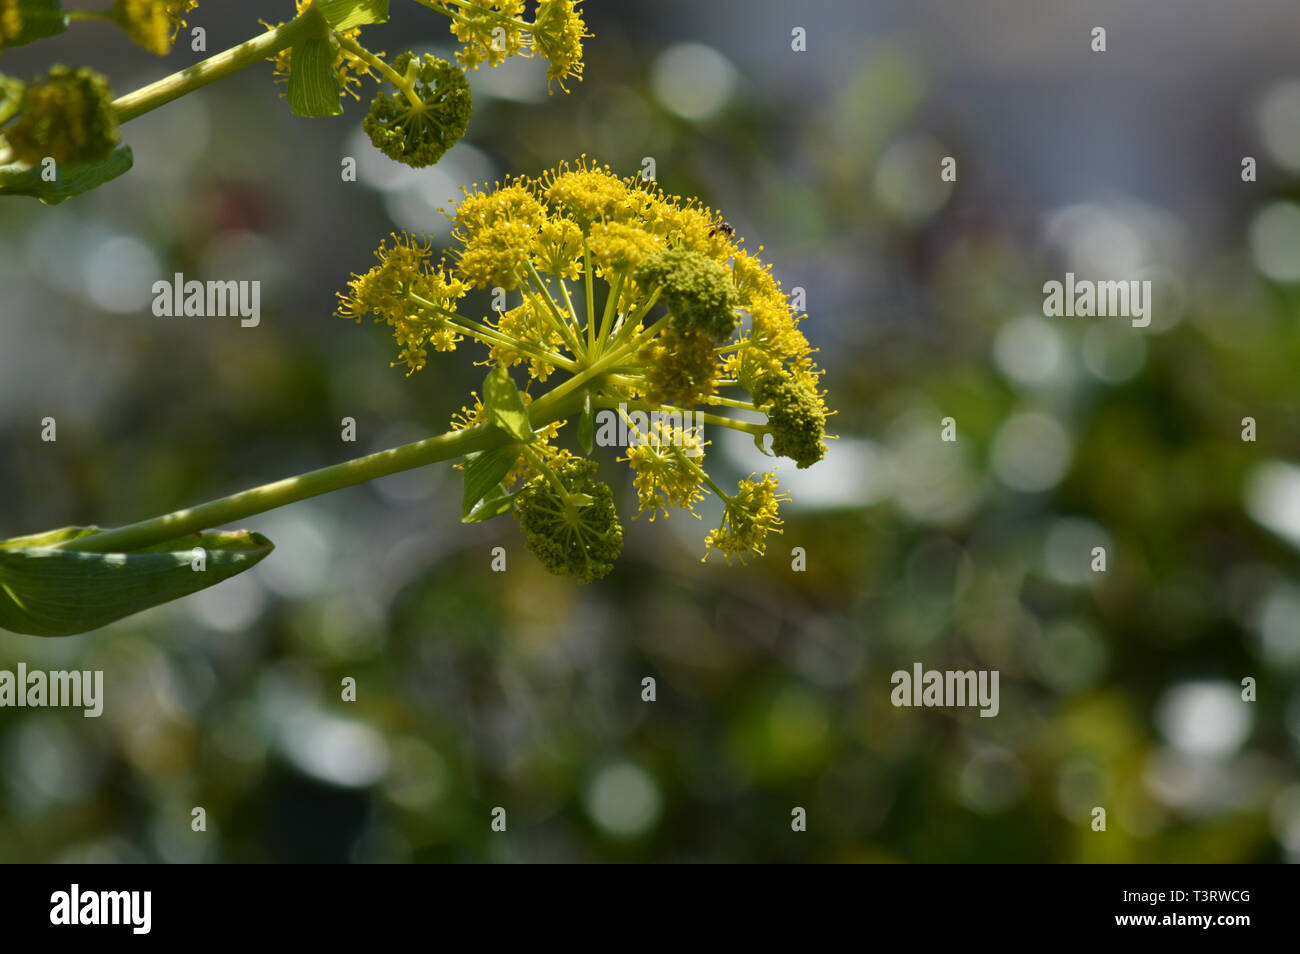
(420, 134)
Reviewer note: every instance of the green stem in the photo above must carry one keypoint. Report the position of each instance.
(464, 4)
(150, 97)
(568, 303)
(562, 326)
(717, 420)
(387, 72)
(591, 300)
(491, 336)
(611, 308)
(732, 402)
(681, 456)
(491, 339)
(628, 331)
(91, 16)
(539, 465)
(257, 500)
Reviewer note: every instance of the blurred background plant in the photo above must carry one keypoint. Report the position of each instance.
(522, 690)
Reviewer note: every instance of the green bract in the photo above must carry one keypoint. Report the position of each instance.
(579, 537)
(68, 118)
(418, 133)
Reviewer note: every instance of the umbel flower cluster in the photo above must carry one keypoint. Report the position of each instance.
(641, 302)
(420, 110)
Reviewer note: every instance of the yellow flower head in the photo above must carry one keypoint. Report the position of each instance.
(497, 232)
(413, 298)
(589, 194)
(667, 462)
(490, 29)
(617, 247)
(526, 325)
(747, 519)
(557, 35)
(153, 24)
(635, 300)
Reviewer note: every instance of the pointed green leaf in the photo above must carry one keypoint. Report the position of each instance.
(505, 405)
(496, 503)
(47, 591)
(346, 14)
(22, 21)
(313, 84)
(587, 426)
(484, 470)
(19, 178)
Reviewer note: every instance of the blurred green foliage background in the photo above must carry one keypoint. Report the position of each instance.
(477, 689)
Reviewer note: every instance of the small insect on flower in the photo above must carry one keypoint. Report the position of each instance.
(619, 297)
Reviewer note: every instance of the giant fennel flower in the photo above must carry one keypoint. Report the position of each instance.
(653, 310)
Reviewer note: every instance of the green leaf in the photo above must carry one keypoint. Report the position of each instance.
(484, 471)
(587, 426)
(19, 178)
(313, 84)
(47, 591)
(35, 19)
(505, 405)
(493, 505)
(346, 14)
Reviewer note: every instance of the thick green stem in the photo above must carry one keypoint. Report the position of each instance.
(383, 69)
(90, 16)
(257, 500)
(591, 300)
(611, 308)
(216, 67)
(558, 320)
(732, 402)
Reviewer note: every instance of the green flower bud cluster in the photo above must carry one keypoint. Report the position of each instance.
(419, 125)
(67, 117)
(681, 368)
(569, 521)
(796, 417)
(699, 293)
